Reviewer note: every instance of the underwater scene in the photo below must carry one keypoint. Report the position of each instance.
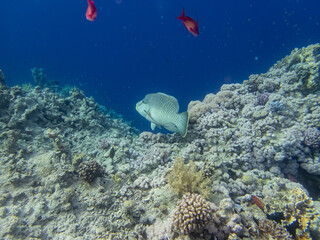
(160, 120)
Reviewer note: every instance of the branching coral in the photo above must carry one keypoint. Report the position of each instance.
(184, 179)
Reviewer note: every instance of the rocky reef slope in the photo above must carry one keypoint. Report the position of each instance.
(246, 168)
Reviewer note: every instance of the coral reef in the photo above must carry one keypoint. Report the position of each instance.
(263, 98)
(258, 138)
(297, 211)
(38, 76)
(41, 80)
(2, 83)
(267, 135)
(274, 230)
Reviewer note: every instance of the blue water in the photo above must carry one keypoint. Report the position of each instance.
(135, 47)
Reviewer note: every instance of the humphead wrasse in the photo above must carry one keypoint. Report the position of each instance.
(162, 110)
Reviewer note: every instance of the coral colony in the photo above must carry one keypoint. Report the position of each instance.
(70, 171)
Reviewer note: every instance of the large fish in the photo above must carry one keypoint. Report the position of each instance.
(162, 110)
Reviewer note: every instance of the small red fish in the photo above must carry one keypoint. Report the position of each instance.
(190, 24)
(258, 202)
(91, 13)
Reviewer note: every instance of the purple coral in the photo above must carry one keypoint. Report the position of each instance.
(263, 98)
(312, 137)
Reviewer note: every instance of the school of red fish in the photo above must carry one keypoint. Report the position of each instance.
(190, 24)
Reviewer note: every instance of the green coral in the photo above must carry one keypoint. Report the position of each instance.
(116, 178)
(184, 179)
(305, 62)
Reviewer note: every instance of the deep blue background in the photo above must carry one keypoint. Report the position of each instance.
(135, 47)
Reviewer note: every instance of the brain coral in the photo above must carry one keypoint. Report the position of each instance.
(192, 215)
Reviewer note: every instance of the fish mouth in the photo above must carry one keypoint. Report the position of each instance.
(138, 105)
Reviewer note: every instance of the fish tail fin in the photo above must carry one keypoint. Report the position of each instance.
(183, 123)
(182, 15)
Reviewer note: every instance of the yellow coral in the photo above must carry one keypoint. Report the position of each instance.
(296, 206)
(78, 158)
(116, 178)
(184, 179)
(304, 222)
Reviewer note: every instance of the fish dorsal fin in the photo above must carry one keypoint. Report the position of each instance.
(172, 100)
(182, 15)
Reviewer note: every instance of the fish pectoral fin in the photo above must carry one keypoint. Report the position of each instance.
(153, 126)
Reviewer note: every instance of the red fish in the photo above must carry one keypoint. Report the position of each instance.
(258, 202)
(190, 24)
(91, 13)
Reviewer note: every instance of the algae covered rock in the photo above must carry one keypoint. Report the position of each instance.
(306, 63)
